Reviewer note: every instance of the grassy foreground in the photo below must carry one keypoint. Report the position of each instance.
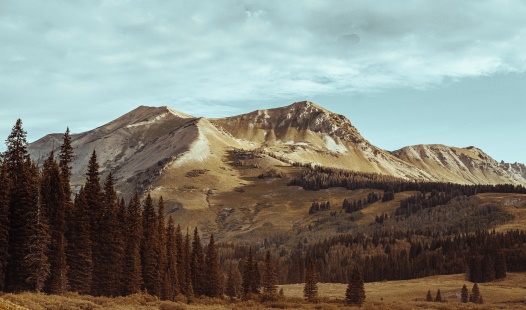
(509, 293)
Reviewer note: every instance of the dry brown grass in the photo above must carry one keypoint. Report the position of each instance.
(509, 293)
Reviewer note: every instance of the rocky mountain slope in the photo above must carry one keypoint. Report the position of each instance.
(189, 160)
(468, 165)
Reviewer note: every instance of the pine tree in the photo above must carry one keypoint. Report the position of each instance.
(94, 200)
(257, 278)
(171, 279)
(281, 292)
(429, 298)
(132, 258)
(119, 247)
(36, 261)
(66, 157)
(230, 289)
(150, 248)
(181, 261)
(214, 274)
(5, 186)
(189, 289)
(269, 280)
(249, 276)
(310, 290)
(355, 294)
(161, 226)
(475, 296)
(464, 294)
(53, 203)
(197, 265)
(438, 297)
(111, 253)
(79, 256)
(23, 210)
(500, 265)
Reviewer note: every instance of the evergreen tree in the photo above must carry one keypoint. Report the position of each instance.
(464, 294)
(257, 278)
(281, 292)
(250, 285)
(181, 261)
(109, 271)
(36, 262)
(310, 290)
(355, 294)
(79, 258)
(475, 296)
(189, 289)
(438, 297)
(161, 226)
(5, 186)
(171, 280)
(150, 248)
(429, 298)
(197, 265)
(94, 201)
(53, 204)
(24, 215)
(230, 289)
(119, 248)
(66, 157)
(500, 265)
(269, 280)
(132, 258)
(214, 274)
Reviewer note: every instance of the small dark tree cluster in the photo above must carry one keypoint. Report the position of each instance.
(475, 296)
(357, 205)
(319, 206)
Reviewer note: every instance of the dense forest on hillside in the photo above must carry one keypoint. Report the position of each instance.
(95, 243)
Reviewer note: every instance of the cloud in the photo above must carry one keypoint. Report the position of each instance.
(61, 54)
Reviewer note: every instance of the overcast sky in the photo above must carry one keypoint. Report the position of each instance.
(404, 72)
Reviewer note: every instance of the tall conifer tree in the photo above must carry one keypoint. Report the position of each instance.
(310, 290)
(355, 294)
(132, 265)
(22, 207)
(36, 261)
(171, 280)
(197, 265)
(214, 274)
(5, 186)
(189, 289)
(150, 248)
(269, 279)
(79, 251)
(94, 200)
(161, 226)
(181, 260)
(53, 203)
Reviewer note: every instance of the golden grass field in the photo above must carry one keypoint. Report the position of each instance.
(509, 293)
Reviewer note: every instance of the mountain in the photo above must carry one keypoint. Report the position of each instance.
(468, 165)
(203, 167)
(307, 133)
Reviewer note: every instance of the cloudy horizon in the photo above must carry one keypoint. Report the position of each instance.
(413, 72)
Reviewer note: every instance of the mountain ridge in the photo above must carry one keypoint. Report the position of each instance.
(156, 148)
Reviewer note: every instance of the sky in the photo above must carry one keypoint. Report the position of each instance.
(404, 72)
